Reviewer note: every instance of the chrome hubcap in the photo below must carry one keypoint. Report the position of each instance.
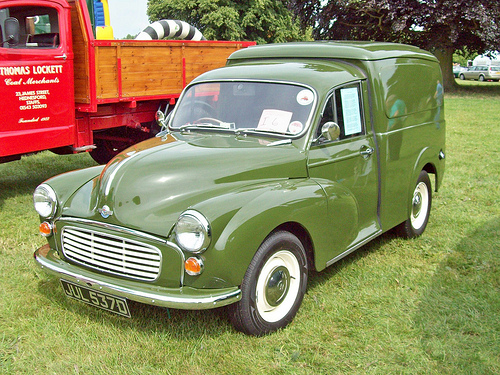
(417, 204)
(277, 286)
(420, 205)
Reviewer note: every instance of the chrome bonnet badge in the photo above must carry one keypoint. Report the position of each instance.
(105, 212)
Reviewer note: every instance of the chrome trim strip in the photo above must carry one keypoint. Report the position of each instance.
(182, 299)
(353, 248)
(117, 228)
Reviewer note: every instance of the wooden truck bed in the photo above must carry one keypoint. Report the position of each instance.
(108, 71)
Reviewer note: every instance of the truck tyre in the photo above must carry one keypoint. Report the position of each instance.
(105, 150)
(273, 287)
(420, 207)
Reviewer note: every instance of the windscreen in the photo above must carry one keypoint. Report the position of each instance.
(275, 108)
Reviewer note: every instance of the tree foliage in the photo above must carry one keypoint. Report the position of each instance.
(441, 26)
(263, 21)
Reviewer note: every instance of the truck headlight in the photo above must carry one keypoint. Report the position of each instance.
(192, 232)
(45, 201)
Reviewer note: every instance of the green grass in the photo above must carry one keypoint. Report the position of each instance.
(424, 306)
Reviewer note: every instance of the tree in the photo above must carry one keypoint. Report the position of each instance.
(263, 21)
(440, 26)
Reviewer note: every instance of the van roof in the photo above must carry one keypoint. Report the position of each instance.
(346, 50)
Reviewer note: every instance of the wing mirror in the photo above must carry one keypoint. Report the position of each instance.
(330, 131)
(11, 26)
(162, 117)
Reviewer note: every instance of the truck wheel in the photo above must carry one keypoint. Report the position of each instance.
(273, 287)
(420, 208)
(105, 150)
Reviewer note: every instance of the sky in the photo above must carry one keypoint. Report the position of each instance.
(128, 17)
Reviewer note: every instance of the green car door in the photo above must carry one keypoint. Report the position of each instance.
(346, 168)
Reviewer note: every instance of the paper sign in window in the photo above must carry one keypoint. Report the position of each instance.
(350, 110)
(274, 120)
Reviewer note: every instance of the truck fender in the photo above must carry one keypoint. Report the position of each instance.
(170, 29)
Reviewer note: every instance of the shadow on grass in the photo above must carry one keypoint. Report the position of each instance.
(23, 176)
(185, 324)
(459, 316)
(319, 278)
(181, 324)
(474, 89)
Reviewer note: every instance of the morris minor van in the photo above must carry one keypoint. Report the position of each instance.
(286, 160)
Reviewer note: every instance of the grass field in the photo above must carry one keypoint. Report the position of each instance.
(424, 306)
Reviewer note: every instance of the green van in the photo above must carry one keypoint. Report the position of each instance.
(286, 160)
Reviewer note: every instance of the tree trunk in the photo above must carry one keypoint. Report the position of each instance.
(445, 57)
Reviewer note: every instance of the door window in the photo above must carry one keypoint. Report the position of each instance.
(344, 108)
(38, 27)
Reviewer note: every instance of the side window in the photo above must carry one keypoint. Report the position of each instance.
(38, 26)
(344, 108)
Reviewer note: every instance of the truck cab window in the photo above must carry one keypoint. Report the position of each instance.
(38, 27)
(344, 108)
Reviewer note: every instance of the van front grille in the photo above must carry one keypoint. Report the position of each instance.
(112, 254)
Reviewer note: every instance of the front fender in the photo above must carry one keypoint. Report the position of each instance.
(239, 231)
(65, 185)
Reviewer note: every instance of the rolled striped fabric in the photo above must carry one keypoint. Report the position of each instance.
(170, 29)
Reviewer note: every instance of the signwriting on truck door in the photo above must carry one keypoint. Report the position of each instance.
(36, 78)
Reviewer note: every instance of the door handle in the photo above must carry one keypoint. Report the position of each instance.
(366, 153)
(63, 56)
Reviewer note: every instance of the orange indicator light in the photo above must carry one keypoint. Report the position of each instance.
(45, 229)
(193, 266)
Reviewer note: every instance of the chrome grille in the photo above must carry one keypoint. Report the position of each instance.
(111, 254)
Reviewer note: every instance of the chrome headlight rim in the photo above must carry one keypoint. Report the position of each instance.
(45, 191)
(194, 244)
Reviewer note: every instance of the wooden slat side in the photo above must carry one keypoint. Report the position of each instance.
(107, 72)
(154, 68)
(81, 56)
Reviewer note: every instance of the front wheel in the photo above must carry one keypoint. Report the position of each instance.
(462, 77)
(420, 208)
(273, 287)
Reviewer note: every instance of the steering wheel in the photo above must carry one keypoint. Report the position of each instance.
(208, 119)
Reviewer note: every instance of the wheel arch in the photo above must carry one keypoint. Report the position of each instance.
(431, 169)
(304, 237)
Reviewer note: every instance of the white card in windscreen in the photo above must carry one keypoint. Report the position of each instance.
(274, 120)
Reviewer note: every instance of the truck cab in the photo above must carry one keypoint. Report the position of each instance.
(36, 77)
(68, 86)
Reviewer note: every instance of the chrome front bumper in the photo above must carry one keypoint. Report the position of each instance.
(185, 298)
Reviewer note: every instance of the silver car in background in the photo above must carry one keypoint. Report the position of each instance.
(481, 73)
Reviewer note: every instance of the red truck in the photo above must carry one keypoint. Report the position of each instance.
(64, 90)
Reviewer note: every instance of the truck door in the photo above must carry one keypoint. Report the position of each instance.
(347, 169)
(36, 77)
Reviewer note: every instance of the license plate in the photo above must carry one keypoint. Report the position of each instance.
(102, 300)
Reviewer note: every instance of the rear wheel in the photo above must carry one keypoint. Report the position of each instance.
(273, 287)
(420, 208)
(481, 78)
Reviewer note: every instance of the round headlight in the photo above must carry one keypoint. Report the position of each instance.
(192, 232)
(45, 201)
